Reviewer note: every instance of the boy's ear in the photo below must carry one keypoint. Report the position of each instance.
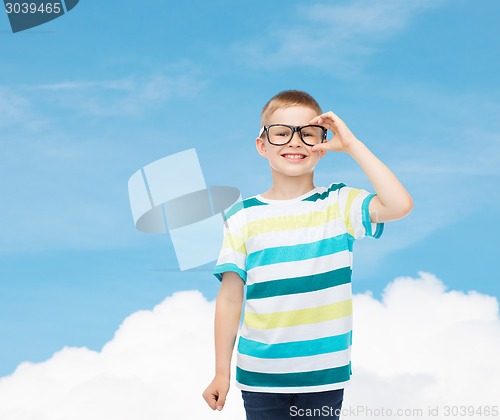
(261, 147)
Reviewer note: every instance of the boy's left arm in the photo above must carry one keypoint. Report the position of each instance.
(392, 201)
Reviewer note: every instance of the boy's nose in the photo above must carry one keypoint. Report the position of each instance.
(295, 139)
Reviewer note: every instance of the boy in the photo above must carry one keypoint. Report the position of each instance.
(292, 247)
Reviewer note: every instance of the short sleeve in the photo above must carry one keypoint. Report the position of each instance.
(354, 208)
(233, 252)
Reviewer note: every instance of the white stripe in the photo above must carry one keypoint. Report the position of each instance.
(296, 389)
(294, 364)
(232, 257)
(299, 332)
(300, 300)
(300, 268)
(229, 253)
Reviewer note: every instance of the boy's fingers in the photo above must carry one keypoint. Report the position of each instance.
(319, 147)
(333, 146)
(328, 120)
(210, 398)
(221, 401)
(326, 145)
(331, 115)
(215, 399)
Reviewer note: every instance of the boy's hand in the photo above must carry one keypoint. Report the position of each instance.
(343, 138)
(216, 392)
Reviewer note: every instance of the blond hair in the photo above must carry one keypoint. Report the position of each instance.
(286, 99)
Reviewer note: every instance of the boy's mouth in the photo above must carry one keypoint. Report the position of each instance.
(294, 156)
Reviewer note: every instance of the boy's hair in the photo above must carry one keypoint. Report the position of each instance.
(286, 99)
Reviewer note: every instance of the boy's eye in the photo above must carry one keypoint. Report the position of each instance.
(312, 132)
(279, 131)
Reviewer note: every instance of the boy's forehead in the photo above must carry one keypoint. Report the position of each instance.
(292, 115)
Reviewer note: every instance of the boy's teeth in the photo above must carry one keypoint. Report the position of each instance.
(294, 156)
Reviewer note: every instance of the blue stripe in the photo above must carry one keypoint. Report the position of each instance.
(294, 348)
(365, 211)
(296, 379)
(222, 268)
(365, 214)
(299, 252)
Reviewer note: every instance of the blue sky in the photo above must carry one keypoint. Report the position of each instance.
(88, 99)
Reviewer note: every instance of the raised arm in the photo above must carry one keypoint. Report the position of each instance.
(392, 201)
(227, 318)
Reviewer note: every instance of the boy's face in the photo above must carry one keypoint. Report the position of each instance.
(294, 158)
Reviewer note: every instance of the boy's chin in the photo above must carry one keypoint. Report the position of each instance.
(292, 173)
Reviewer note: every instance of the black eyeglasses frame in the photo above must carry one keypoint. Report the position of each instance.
(295, 129)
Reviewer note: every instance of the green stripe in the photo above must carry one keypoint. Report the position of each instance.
(379, 230)
(301, 284)
(299, 252)
(322, 196)
(316, 377)
(295, 348)
(240, 205)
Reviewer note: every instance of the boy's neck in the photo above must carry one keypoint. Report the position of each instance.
(288, 187)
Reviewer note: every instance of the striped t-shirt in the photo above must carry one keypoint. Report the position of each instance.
(295, 257)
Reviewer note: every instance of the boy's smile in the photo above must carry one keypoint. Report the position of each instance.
(294, 157)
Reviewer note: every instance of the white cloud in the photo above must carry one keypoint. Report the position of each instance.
(339, 37)
(425, 346)
(155, 367)
(420, 346)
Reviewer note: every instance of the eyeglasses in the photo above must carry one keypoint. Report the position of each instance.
(281, 134)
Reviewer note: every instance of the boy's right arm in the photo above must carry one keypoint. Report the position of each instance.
(227, 318)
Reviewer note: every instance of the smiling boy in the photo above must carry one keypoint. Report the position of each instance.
(292, 248)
